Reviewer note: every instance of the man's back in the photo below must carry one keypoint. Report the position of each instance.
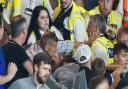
(15, 53)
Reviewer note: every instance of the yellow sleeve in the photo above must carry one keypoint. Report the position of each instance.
(13, 8)
(3, 2)
(17, 8)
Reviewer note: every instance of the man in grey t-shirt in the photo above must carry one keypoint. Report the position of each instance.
(42, 70)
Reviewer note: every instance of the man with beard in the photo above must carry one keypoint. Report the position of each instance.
(41, 71)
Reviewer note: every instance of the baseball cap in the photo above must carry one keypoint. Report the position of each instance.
(82, 53)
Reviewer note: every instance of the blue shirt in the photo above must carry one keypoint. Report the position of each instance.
(2, 65)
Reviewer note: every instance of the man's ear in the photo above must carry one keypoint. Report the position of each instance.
(36, 68)
(24, 31)
(115, 57)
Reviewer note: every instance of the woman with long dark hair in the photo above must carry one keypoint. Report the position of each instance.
(40, 24)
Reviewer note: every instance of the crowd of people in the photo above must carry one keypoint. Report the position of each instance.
(63, 44)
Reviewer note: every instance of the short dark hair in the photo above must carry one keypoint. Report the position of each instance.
(17, 26)
(96, 81)
(98, 66)
(42, 57)
(99, 21)
(118, 47)
(48, 39)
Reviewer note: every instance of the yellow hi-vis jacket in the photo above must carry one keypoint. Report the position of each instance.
(58, 2)
(114, 18)
(105, 45)
(44, 3)
(75, 14)
(3, 2)
(14, 8)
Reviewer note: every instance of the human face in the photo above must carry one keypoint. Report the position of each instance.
(43, 72)
(65, 3)
(43, 20)
(122, 58)
(1, 32)
(103, 85)
(51, 49)
(124, 38)
(105, 6)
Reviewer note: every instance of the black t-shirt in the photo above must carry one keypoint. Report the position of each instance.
(15, 53)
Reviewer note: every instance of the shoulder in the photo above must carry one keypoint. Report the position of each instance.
(98, 44)
(117, 14)
(45, 87)
(21, 83)
(23, 80)
(12, 45)
(94, 11)
(95, 43)
(76, 12)
(101, 40)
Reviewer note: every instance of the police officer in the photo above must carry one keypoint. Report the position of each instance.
(102, 47)
(68, 19)
(113, 19)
